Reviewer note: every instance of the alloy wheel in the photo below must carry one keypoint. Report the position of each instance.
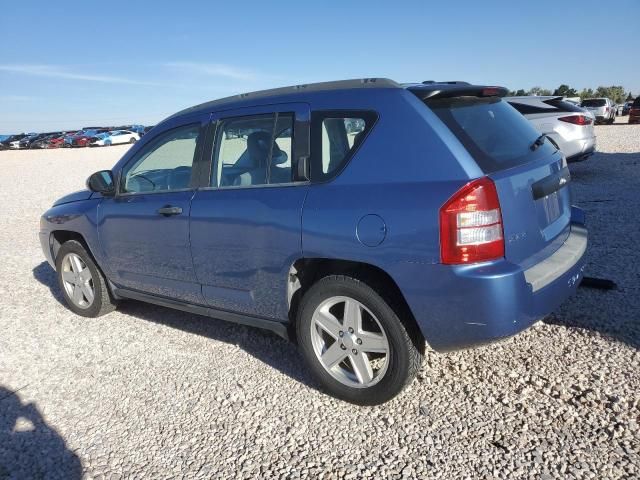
(349, 342)
(77, 281)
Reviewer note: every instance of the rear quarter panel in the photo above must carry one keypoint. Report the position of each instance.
(407, 167)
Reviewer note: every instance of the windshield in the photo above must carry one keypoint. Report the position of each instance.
(594, 102)
(495, 134)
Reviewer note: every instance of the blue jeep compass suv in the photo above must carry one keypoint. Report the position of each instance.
(361, 217)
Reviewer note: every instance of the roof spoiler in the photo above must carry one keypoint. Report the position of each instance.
(429, 91)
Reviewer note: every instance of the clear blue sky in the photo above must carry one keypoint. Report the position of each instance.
(69, 64)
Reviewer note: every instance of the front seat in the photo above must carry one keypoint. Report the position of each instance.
(258, 144)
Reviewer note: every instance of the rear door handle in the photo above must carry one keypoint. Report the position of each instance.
(168, 210)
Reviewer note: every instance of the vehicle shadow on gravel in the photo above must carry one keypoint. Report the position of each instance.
(263, 345)
(47, 276)
(29, 448)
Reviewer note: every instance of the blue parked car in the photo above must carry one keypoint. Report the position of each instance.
(362, 218)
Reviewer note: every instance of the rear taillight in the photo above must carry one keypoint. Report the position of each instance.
(577, 119)
(471, 224)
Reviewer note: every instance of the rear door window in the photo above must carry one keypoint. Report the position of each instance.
(594, 102)
(253, 150)
(495, 134)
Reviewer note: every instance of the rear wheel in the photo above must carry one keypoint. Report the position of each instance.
(132, 140)
(82, 284)
(354, 343)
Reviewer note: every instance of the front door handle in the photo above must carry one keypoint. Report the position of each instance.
(168, 210)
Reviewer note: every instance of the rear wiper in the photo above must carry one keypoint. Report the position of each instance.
(539, 141)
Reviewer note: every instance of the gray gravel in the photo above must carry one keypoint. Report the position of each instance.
(151, 392)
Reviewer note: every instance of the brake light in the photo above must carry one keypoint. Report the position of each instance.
(577, 119)
(491, 91)
(471, 224)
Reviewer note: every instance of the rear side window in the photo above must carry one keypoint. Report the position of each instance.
(495, 134)
(335, 136)
(594, 102)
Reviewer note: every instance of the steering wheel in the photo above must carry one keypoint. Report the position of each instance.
(143, 177)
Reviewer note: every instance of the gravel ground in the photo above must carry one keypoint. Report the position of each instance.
(151, 392)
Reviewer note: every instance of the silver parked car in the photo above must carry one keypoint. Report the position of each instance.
(602, 108)
(568, 126)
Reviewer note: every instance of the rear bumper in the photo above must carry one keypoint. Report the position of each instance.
(469, 305)
(586, 153)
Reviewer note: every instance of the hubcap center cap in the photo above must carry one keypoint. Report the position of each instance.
(349, 340)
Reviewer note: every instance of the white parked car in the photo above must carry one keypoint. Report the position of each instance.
(568, 126)
(114, 137)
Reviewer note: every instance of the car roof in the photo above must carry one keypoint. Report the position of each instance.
(290, 93)
(428, 89)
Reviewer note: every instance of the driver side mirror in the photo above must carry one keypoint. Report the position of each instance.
(102, 182)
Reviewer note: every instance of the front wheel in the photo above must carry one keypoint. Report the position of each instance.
(354, 342)
(132, 140)
(82, 284)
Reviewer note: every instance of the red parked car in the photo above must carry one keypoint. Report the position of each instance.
(57, 142)
(634, 111)
(83, 138)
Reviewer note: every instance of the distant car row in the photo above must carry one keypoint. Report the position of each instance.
(87, 137)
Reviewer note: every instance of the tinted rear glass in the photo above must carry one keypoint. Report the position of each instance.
(594, 102)
(636, 102)
(563, 106)
(494, 133)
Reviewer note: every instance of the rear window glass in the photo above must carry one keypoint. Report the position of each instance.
(335, 136)
(496, 135)
(636, 102)
(594, 102)
(563, 106)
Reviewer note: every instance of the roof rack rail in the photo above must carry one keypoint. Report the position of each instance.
(446, 82)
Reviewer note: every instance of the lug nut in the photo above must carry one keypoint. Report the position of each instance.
(350, 330)
(342, 346)
(354, 351)
(341, 333)
(359, 341)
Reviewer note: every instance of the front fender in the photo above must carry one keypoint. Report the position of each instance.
(78, 217)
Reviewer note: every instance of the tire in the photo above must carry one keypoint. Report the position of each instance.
(392, 373)
(132, 140)
(66, 268)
